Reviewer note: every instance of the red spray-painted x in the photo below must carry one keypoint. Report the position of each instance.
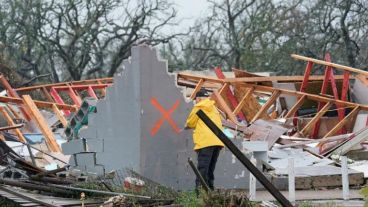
(166, 115)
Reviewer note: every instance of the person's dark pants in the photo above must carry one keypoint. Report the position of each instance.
(207, 158)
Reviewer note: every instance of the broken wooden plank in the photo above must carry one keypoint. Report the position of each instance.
(345, 147)
(40, 120)
(264, 130)
(324, 140)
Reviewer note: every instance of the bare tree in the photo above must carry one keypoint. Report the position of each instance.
(74, 39)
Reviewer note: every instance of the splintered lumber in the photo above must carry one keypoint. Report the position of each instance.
(345, 147)
(11, 123)
(334, 65)
(40, 120)
(324, 140)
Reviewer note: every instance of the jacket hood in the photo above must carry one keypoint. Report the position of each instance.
(205, 104)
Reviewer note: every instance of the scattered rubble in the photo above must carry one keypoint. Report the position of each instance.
(124, 136)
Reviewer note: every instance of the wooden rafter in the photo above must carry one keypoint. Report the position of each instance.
(267, 105)
(315, 119)
(41, 122)
(41, 104)
(10, 121)
(296, 106)
(82, 82)
(343, 122)
(197, 88)
(334, 65)
(242, 101)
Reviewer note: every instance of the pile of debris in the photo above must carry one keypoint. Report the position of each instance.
(125, 132)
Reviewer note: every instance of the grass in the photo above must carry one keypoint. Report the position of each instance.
(214, 199)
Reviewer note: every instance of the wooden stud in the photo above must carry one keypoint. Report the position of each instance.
(40, 120)
(220, 102)
(223, 88)
(11, 123)
(316, 117)
(267, 105)
(60, 116)
(296, 106)
(342, 123)
(196, 89)
(242, 101)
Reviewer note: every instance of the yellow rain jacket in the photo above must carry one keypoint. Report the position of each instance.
(202, 135)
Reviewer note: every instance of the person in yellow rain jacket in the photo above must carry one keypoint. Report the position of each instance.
(206, 143)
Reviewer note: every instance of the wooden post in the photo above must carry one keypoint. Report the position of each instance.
(291, 176)
(11, 123)
(345, 178)
(40, 120)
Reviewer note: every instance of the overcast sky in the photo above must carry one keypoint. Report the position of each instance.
(189, 10)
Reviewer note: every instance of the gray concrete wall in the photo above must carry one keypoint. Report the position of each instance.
(120, 133)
